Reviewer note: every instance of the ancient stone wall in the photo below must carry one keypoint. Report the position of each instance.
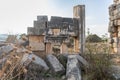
(59, 30)
(114, 25)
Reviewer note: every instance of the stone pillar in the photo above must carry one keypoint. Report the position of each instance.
(49, 48)
(79, 13)
(76, 45)
(64, 48)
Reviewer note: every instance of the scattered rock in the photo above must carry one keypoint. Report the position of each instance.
(7, 48)
(36, 60)
(73, 72)
(55, 65)
(82, 61)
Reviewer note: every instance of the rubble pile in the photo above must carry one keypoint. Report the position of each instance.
(22, 63)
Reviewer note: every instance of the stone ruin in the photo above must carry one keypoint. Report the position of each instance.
(114, 25)
(60, 34)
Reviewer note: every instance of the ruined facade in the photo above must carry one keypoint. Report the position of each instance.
(114, 25)
(60, 34)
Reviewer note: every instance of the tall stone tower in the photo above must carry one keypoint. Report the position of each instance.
(114, 25)
(79, 13)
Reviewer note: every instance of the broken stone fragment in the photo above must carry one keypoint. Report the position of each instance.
(73, 72)
(55, 65)
(7, 48)
(36, 60)
(82, 61)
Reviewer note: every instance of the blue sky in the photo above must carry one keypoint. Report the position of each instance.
(17, 15)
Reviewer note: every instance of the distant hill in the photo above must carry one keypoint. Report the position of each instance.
(3, 37)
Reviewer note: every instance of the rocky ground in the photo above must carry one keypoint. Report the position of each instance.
(19, 62)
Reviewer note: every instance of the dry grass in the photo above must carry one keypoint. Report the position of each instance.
(98, 56)
(12, 67)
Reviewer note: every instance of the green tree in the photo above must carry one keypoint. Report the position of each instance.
(93, 38)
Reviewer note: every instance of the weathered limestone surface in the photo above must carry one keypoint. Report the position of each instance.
(54, 63)
(56, 19)
(82, 61)
(114, 24)
(42, 18)
(60, 29)
(7, 48)
(79, 58)
(39, 25)
(37, 60)
(38, 46)
(35, 31)
(73, 72)
(69, 20)
(30, 31)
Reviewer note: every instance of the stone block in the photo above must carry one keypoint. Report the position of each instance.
(55, 65)
(56, 19)
(82, 61)
(35, 31)
(37, 60)
(30, 31)
(39, 25)
(73, 72)
(42, 18)
(111, 23)
(6, 49)
(55, 25)
(112, 29)
(68, 20)
(118, 22)
(37, 46)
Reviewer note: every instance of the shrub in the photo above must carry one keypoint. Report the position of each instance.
(98, 57)
(93, 38)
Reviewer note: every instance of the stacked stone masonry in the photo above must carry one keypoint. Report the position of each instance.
(57, 35)
(114, 25)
